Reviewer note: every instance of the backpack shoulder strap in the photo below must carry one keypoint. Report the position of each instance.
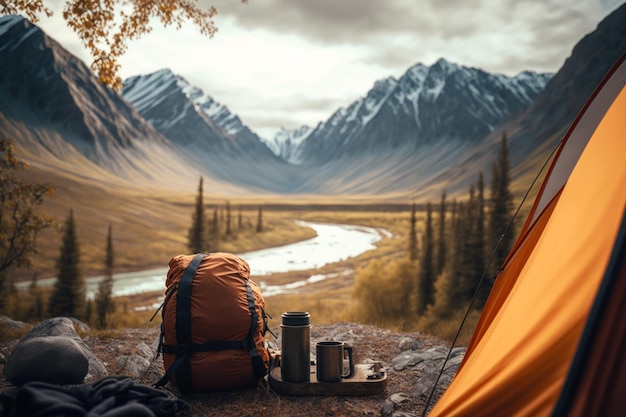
(180, 367)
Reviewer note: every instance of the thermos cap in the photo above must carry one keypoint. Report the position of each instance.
(296, 318)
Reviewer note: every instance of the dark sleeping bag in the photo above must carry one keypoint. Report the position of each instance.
(114, 396)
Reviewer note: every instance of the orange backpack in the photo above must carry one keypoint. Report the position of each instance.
(214, 324)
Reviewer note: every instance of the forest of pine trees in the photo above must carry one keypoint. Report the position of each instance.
(207, 235)
(462, 248)
(451, 263)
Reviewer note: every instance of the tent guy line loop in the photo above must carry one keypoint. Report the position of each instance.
(482, 278)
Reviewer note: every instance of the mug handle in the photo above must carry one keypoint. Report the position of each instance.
(350, 373)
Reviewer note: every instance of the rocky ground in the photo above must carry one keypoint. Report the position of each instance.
(412, 362)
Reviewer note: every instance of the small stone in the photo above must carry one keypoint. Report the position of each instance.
(399, 398)
(409, 343)
(12, 324)
(387, 408)
(133, 365)
(52, 359)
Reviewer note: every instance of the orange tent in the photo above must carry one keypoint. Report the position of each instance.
(551, 340)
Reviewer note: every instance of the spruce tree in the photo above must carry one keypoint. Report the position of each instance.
(197, 233)
(442, 244)
(229, 231)
(37, 310)
(214, 231)
(501, 205)
(259, 223)
(458, 264)
(104, 296)
(413, 236)
(480, 262)
(468, 227)
(68, 295)
(426, 279)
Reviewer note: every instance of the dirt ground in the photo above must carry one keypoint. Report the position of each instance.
(369, 343)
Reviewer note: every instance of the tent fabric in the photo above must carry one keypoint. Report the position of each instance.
(595, 385)
(531, 328)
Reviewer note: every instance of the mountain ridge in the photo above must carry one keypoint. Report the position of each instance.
(399, 141)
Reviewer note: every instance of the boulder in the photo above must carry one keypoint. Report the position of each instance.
(64, 327)
(51, 359)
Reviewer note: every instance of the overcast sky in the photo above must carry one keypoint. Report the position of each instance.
(288, 63)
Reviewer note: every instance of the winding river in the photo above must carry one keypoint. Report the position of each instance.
(333, 243)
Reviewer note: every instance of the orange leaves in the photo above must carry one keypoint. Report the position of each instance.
(106, 26)
(29, 8)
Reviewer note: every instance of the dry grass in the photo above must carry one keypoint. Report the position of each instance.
(151, 227)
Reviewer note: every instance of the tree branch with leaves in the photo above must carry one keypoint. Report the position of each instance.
(105, 27)
(19, 220)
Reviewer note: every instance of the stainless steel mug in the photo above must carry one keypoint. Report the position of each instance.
(329, 361)
(295, 362)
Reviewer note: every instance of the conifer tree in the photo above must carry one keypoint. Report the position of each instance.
(197, 233)
(88, 316)
(458, 264)
(501, 205)
(468, 230)
(259, 223)
(426, 279)
(37, 310)
(413, 236)
(480, 262)
(442, 244)
(68, 295)
(214, 231)
(104, 296)
(229, 231)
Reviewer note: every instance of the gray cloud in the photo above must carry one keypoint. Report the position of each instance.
(543, 31)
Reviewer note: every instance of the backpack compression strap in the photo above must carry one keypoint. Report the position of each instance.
(258, 366)
(180, 366)
(185, 348)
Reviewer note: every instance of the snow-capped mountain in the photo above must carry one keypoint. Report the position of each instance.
(443, 102)
(188, 117)
(432, 129)
(53, 106)
(286, 143)
(206, 132)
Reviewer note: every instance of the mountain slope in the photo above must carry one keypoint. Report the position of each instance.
(377, 145)
(535, 133)
(63, 119)
(205, 132)
(443, 102)
(435, 128)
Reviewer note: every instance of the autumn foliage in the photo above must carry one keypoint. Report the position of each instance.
(105, 27)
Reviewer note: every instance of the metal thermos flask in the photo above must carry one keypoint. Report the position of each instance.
(295, 362)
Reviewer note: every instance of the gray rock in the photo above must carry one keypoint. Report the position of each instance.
(52, 359)
(133, 365)
(399, 398)
(137, 364)
(64, 326)
(56, 326)
(387, 408)
(412, 357)
(12, 324)
(409, 343)
(145, 351)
